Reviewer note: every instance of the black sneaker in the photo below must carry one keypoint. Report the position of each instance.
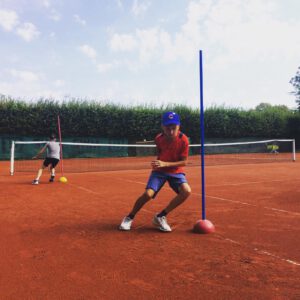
(51, 179)
(35, 181)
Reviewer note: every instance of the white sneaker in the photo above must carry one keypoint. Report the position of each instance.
(35, 181)
(126, 224)
(161, 223)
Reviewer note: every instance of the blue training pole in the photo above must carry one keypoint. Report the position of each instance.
(202, 135)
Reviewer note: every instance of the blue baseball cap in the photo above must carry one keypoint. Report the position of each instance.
(169, 118)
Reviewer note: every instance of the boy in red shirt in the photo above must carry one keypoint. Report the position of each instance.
(173, 148)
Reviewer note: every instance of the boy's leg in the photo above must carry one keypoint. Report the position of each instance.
(140, 202)
(160, 219)
(184, 193)
(52, 171)
(39, 174)
(53, 164)
(155, 183)
(45, 164)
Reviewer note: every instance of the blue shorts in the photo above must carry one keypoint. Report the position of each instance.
(158, 179)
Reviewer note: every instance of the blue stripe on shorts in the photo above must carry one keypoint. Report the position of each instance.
(158, 179)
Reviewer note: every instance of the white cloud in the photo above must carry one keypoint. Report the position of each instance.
(55, 15)
(231, 29)
(88, 51)
(244, 43)
(155, 43)
(27, 32)
(24, 76)
(30, 86)
(8, 19)
(251, 37)
(122, 42)
(103, 68)
(46, 3)
(140, 7)
(79, 20)
(59, 83)
(167, 46)
(240, 40)
(119, 3)
(148, 44)
(7, 89)
(195, 12)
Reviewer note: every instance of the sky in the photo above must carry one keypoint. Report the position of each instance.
(146, 52)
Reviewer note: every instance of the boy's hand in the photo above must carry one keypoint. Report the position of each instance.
(156, 164)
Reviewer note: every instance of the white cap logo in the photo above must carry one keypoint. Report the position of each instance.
(171, 116)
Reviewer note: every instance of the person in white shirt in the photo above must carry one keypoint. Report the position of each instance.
(52, 158)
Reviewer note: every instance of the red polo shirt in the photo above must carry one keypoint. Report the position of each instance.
(172, 151)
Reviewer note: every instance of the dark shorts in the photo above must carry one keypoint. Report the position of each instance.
(158, 179)
(50, 161)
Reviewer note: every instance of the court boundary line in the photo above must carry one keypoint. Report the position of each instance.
(227, 200)
(250, 204)
(260, 251)
(252, 182)
(263, 252)
(96, 193)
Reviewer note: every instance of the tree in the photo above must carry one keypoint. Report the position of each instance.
(295, 81)
(267, 107)
(263, 106)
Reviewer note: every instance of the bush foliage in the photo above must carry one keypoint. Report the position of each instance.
(92, 119)
(295, 81)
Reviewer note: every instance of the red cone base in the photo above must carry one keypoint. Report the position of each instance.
(204, 226)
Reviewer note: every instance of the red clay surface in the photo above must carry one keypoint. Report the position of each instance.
(60, 241)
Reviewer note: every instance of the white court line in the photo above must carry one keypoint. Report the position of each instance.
(235, 242)
(84, 189)
(266, 253)
(276, 256)
(98, 194)
(282, 210)
(227, 200)
(253, 182)
(249, 204)
(263, 252)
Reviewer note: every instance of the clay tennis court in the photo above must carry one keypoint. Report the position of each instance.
(60, 241)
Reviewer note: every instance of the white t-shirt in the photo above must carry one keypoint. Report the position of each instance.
(53, 150)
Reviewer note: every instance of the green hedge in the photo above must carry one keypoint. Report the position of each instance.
(91, 119)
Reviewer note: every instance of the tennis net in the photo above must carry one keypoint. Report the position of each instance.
(88, 157)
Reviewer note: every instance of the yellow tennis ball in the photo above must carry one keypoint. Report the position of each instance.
(63, 179)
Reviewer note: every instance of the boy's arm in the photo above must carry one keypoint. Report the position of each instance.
(156, 164)
(40, 152)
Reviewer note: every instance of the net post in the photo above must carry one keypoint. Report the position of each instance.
(12, 158)
(202, 136)
(294, 150)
